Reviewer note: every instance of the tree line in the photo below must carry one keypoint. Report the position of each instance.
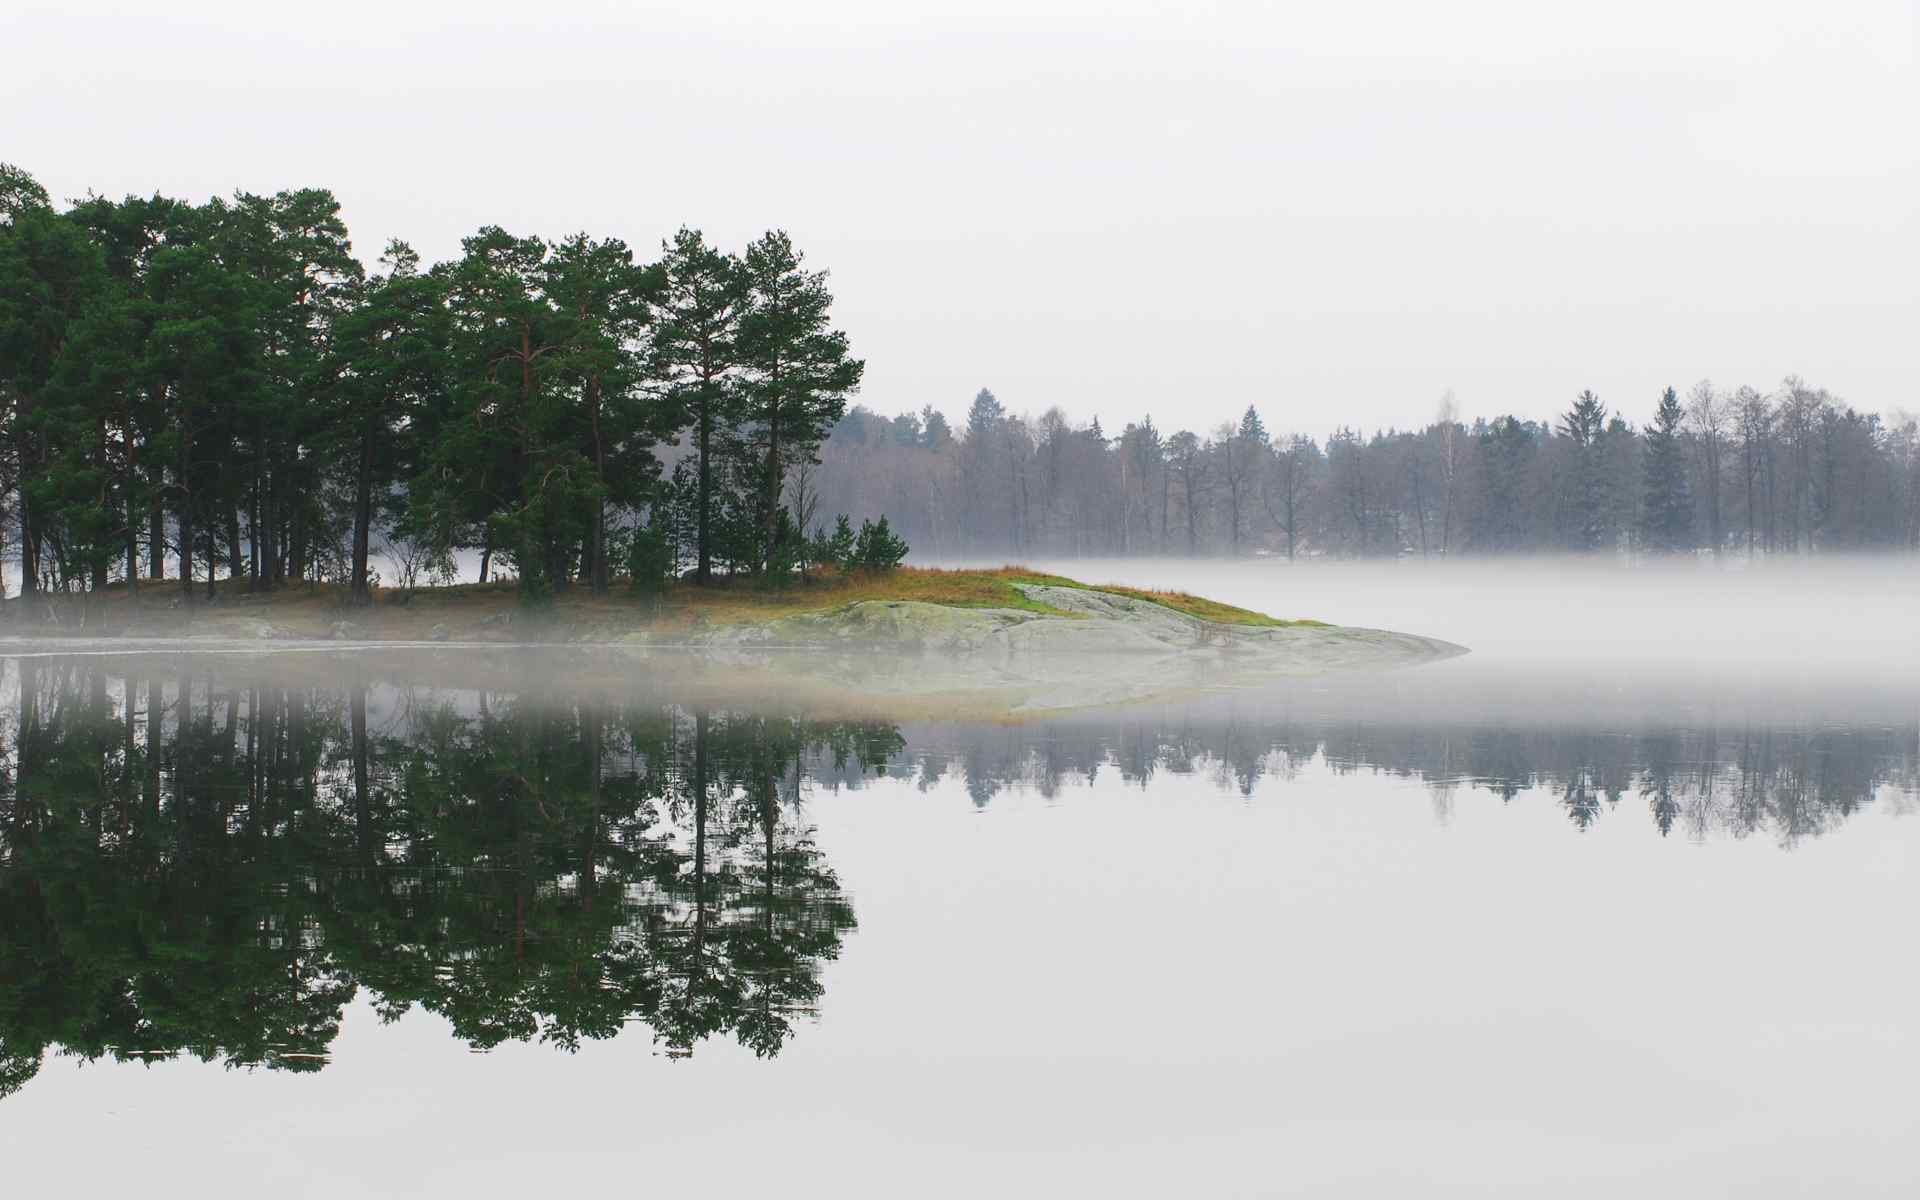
(225, 389)
(1786, 779)
(1791, 471)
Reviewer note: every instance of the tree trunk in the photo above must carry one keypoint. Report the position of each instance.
(236, 561)
(597, 549)
(704, 501)
(29, 547)
(362, 593)
(99, 581)
(597, 552)
(270, 572)
(184, 517)
(1186, 502)
(28, 463)
(296, 546)
(770, 486)
(133, 539)
(156, 526)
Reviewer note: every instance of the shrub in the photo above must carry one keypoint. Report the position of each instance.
(832, 549)
(651, 559)
(876, 548)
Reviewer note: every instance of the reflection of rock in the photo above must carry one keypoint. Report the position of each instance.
(347, 631)
(438, 633)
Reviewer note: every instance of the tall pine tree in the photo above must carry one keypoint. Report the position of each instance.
(1667, 517)
(799, 373)
(696, 360)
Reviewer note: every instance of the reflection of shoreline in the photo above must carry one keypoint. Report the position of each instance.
(825, 678)
(1784, 782)
(210, 855)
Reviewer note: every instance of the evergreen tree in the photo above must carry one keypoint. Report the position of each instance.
(1583, 497)
(1252, 429)
(799, 373)
(935, 433)
(507, 466)
(606, 298)
(696, 360)
(1667, 523)
(131, 232)
(206, 344)
(294, 247)
(393, 374)
(984, 416)
(52, 279)
(19, 191)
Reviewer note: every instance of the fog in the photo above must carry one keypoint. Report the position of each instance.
(1831, 618)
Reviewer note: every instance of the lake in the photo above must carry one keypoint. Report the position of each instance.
(1581, 913)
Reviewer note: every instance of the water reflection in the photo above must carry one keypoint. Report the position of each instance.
(1789, 780)
(199, 858)
(203, 866)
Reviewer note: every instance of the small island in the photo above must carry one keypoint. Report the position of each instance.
(1051, 641)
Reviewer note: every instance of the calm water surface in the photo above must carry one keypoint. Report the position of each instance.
(364, 929)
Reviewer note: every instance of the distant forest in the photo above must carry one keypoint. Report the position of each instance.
(1791, 471)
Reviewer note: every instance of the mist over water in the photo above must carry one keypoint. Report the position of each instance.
(1615, 888)
(1845, 618)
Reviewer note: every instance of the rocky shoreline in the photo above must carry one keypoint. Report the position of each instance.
(1096, 647)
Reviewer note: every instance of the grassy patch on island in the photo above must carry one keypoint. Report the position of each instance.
(740, 601)
(1183, 602)
(492, 611)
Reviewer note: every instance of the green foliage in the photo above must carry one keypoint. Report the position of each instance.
(546, 893)
(650, 558)
(797, 374)
(833, 549)
(695, 358)
(19, 191)
(225, 383)
(549, 422)
(790, 550)
(876, 548)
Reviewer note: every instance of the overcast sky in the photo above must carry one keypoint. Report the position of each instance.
(1333, 211)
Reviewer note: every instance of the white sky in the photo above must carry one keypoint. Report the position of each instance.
(1334, 211)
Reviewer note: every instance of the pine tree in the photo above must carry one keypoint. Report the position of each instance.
(605, 299)
(1667, 523)
(799, 373)
(1584, 497)
(52, 279)
(696, 358)
(392, 364)
(1252, 428)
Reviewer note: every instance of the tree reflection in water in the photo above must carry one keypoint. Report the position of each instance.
(198, 867)
(196, 860)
